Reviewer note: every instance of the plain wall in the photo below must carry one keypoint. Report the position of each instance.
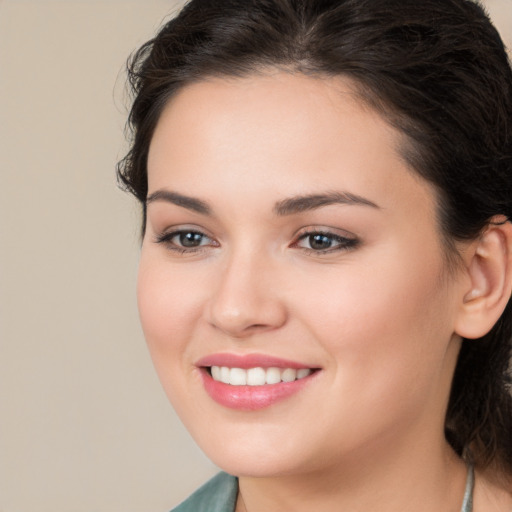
(84, 425)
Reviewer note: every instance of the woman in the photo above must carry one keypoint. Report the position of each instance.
(326, 264)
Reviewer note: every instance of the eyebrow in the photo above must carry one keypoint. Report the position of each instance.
(300, 204)
(190, 203)
(290, 206)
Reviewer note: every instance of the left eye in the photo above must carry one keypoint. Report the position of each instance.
(189, 239)
(184, 240)
(324, 242)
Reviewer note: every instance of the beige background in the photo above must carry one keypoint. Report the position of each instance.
(84, 425)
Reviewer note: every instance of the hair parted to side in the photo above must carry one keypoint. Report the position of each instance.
(435, 69)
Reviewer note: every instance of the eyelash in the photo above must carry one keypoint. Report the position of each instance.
(166, 239)
(343, 243)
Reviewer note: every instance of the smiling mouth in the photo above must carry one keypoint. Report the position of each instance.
(257, 376)
(254, 381)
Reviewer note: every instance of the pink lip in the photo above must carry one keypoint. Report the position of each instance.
(250, 398)
(248, 361)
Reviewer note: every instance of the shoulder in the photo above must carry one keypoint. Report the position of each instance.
(217, 495)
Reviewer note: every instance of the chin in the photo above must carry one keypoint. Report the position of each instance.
(255, 467)
(262, 456)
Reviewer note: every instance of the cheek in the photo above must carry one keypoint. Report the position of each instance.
(169, 306)
(386, 326)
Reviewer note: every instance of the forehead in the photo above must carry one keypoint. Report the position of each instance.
(284, 132)
(278, 100)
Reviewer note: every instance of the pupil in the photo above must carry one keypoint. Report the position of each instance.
(190, 239)
(320, 241)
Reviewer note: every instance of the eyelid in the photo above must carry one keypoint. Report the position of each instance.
(346, 241)
(165, 238)
(343, 240)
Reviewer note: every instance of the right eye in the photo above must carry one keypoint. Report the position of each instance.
(185, 240)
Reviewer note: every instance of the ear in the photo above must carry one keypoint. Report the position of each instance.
(489, 287)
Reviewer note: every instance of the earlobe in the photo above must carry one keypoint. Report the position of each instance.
(489, 268)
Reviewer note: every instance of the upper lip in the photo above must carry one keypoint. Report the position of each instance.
(246, 361)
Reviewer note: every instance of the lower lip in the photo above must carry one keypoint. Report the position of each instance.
(251, 398)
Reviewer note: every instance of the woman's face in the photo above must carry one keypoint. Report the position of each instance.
(287, 239)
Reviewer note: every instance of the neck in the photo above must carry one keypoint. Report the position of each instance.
(420, 479)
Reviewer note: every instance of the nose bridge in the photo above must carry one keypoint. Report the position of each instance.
(245, 300)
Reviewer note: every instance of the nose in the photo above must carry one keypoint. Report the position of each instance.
(247, 298)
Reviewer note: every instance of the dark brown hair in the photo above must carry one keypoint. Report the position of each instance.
(435, 69)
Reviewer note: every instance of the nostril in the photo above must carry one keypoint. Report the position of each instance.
(257, 326)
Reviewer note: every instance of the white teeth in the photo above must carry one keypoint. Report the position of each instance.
(273, 376)
(289, 375)
(303, 372)
(237, 377)
(216, 372)
(257, 376)
(224, 375)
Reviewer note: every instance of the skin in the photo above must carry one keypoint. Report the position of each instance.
(378, 317)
